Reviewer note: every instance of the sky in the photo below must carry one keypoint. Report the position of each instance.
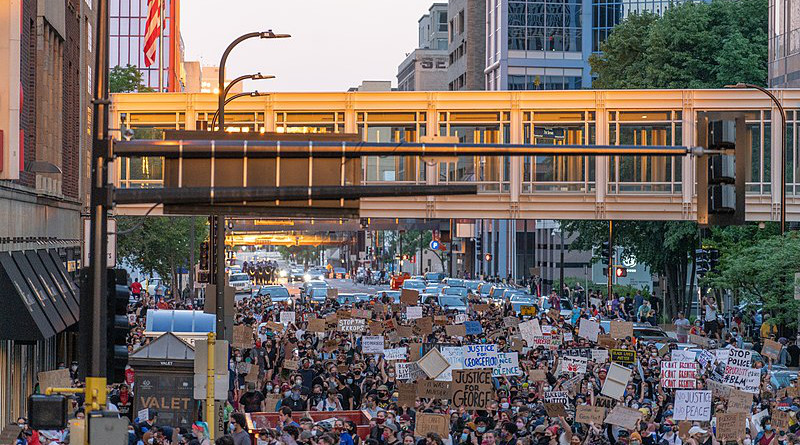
(335, 44)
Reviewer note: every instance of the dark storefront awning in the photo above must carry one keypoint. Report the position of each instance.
(38, 297)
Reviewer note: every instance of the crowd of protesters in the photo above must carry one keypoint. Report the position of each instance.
(294, 370)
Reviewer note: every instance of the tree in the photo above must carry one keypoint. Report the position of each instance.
(762, 270)
(411, 240)
(667, 247)
(300, 254)
(127, 79)
(692, 45)
(159, 244)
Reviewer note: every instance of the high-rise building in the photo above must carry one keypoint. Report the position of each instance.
(467, 45)
(204, 79)
(127, 32)
(45, 47)
(425, 69)
(538, 45)
(784, 43)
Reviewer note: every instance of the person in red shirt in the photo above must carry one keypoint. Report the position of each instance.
(136, 288)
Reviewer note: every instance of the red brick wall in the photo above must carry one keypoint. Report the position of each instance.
(70, 163)
(27, 121)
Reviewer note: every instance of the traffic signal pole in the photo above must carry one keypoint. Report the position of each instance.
(219, 253)
(610, 264)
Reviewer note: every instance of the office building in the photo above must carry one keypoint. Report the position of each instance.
(425, 68)
(45, 46)
(127, 31)
(467, 45)
(204, 79)
(784, 44)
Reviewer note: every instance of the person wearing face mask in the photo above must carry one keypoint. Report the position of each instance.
(238, 433)
(370, 406)
(767, 436)
(466, 437)
(330, 403)
(669, 435)
(294, 400)
(317, 395)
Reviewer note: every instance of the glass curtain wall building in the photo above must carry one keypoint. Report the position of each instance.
(546, 44)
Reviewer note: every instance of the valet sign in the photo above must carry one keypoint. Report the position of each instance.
(480, 356)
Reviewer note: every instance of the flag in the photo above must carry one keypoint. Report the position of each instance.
(152, 31)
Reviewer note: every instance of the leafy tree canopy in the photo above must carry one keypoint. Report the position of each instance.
(127, 79)
(692, 45)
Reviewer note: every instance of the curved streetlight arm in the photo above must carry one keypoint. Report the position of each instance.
(251, 35)
(782, 111)
(231, 99)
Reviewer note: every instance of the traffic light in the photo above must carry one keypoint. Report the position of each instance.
(721, 169)
(713, 258)
(205, 262)
(479, 244)
(702, 262)
(620, 271)
(488, 257)
(117, 327)
(604, 252)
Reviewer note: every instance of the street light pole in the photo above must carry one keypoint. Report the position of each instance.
(778, 104)
(231, 99)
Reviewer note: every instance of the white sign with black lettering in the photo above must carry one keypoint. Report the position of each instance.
(692, 405)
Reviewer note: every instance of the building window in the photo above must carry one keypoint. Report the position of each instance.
(392, 127)
(478, 127)
(551, 26)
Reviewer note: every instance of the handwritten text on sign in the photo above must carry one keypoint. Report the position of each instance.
(480, 356)
(693, 405)
(508, 364)
(681, 375)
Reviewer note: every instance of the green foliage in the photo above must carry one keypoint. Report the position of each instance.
(693, 45)
(127, 79)
(159, 244)
(761, 269)
(304, 255)
(410, 241)
(667, 247)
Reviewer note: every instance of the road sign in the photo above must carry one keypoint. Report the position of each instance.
(434, 245)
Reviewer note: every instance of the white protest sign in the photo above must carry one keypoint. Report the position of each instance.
(530, 330)
(143, 415)
(721, 355)
(679, 374)
(589, 329)
(599, 355)
(408, 371)
(574, 365)
(372, 344)
(738, 372)
(461, 318)
(567, 336)
(616, 381)
(480, 356)
(507, 364)
(287, 317)
(455, 356)
(413, 312)
(705, 358)
(395, 353)
(692, 405)
(679, 355)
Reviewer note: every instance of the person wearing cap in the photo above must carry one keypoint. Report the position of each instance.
(390, 434)
(200, 432)
(295, 400)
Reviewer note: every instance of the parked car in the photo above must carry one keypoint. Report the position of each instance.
(312, 284)
(452, 302)
(566, 306)
(434, 277)
(414, 284)
(317, 295)
(455, 291)
(339, 273)
(521, 299)
(454, 282)
(277, 293)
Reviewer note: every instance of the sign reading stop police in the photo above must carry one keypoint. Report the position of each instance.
(472, 389)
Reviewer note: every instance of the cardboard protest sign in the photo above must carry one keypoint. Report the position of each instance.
(413, 312)
(590, 414)
(780, 420)
(679, 375)
(433, 389)
(705, 358)
(433, 363)
(395, 354)
(252, 376)
(623, 356)
(771, 349)
(481, 307)
(679, 355)
(58, 378)
(291, 364)
(616, 381)
(361, 313)
(555, 410)
(605, 402)
(316, 325)
(567, 337)
(480, 356)
(538, 375)
(472, 327)
(692, 405)
(242, 336)
(457, 330)
(574, 365)
(375, 328)
(596, 302)
(287, 317)
(699, 340)
(440, 320)
(605, 341)
(472, 389)
(271, 401)
(372, 344)
(510, 322)
(414, 351)
(624, 417)
(528, 311)
(507, 364)
(405, 331)
(455, 358)
(333, 293)
(356, 325)
(621, 329)
(599, 355)
(731, 426)
(407, 393)
(432, 423)
(423, 326)
(409, 296)
(589, 329)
